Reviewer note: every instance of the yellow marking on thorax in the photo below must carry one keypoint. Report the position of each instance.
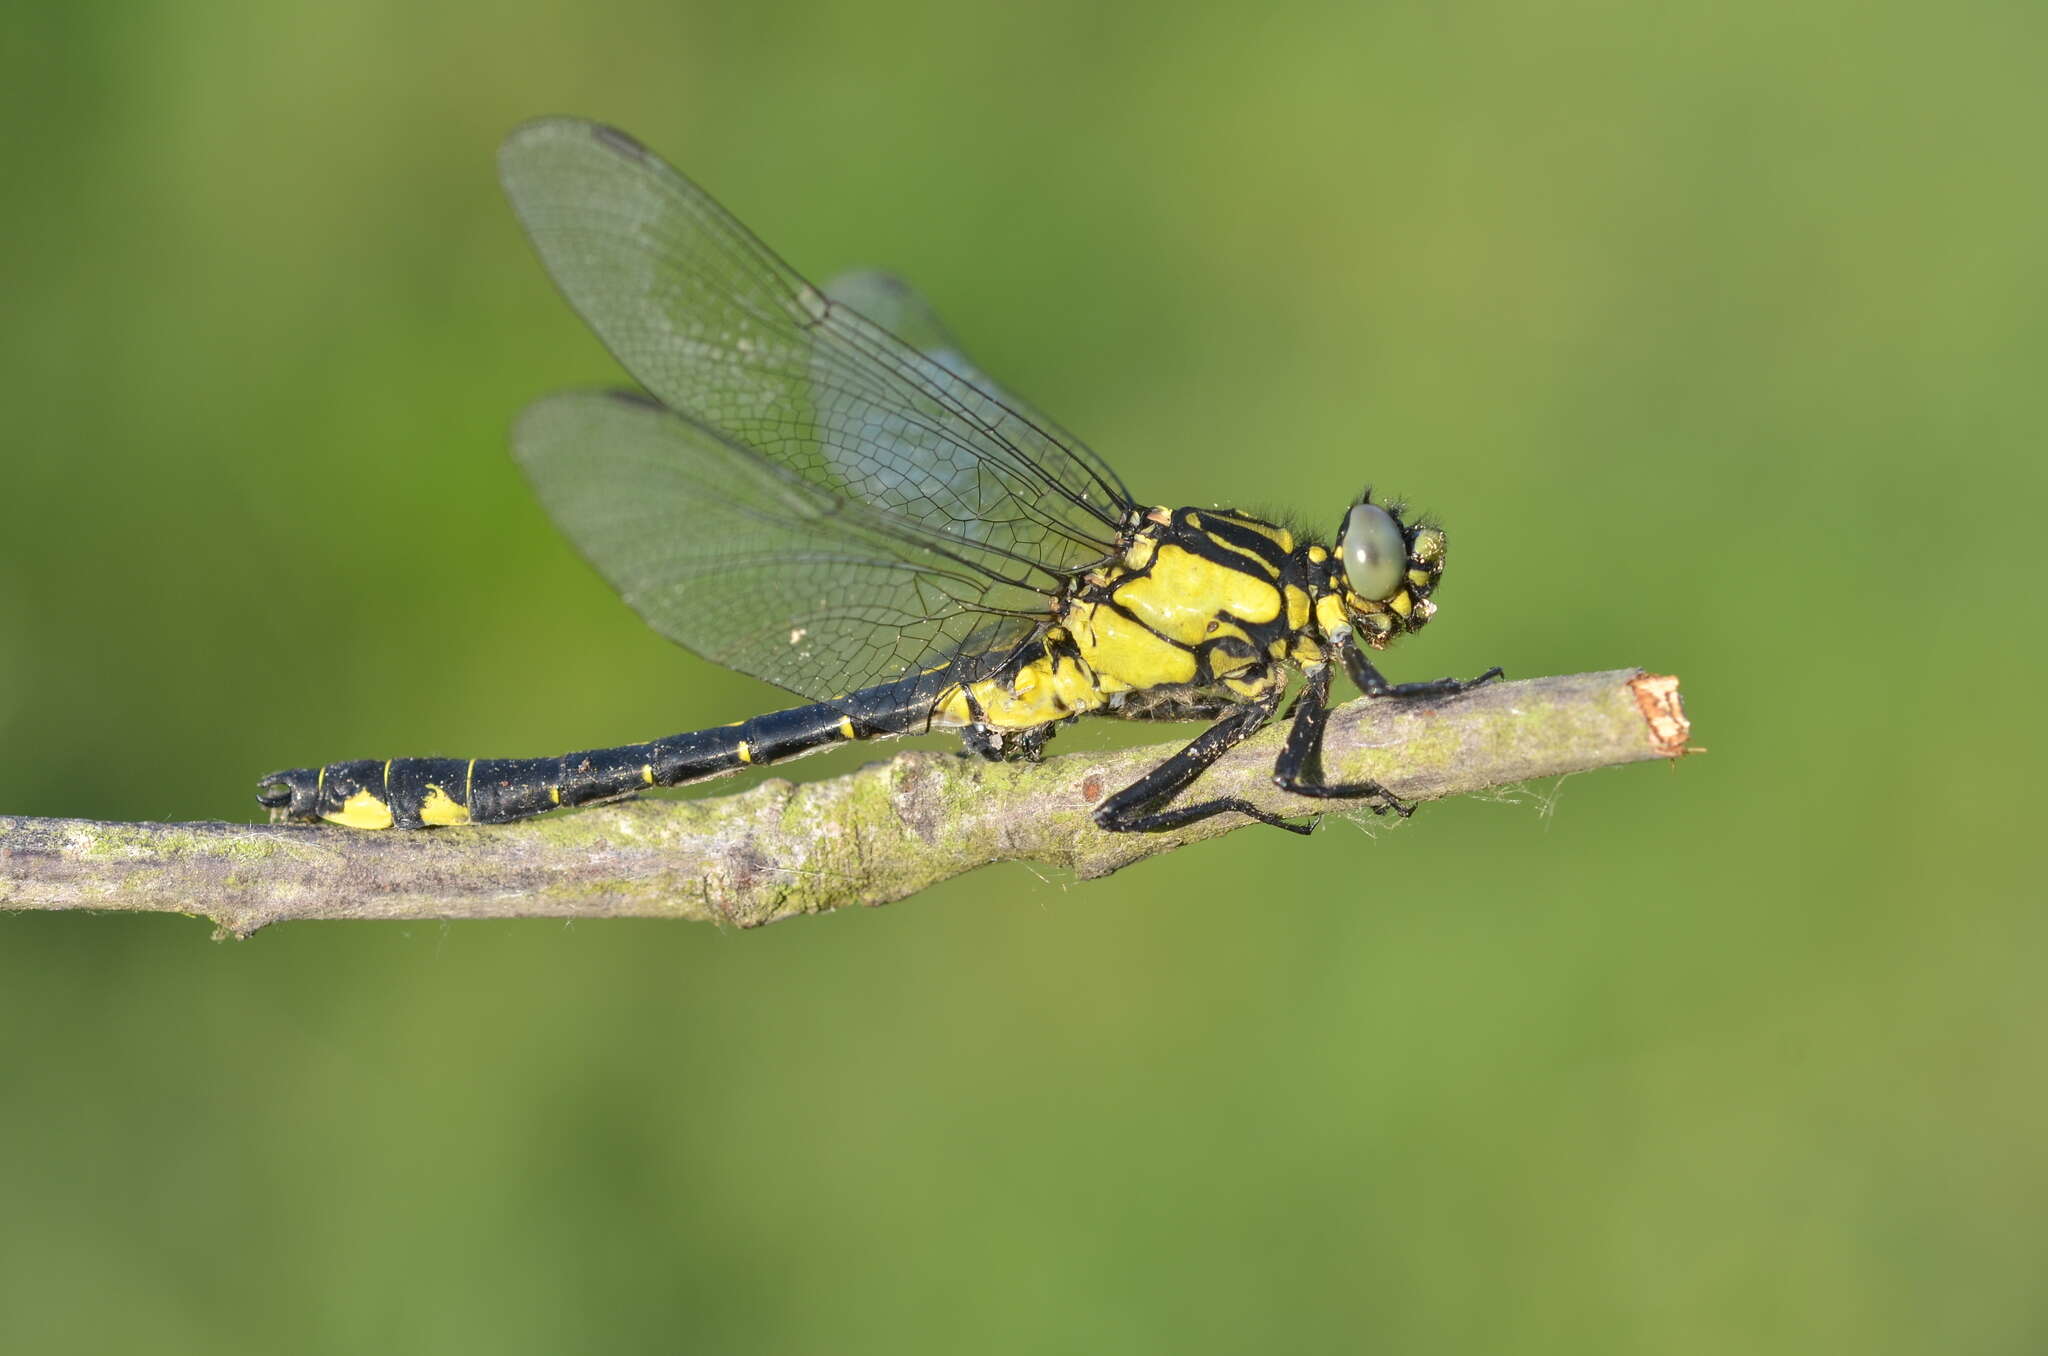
(1258, 685)
(1184, 593)
(647, 773)
(1047, 689)
(554, 795)
(846, 727)
(1124, 655)
(1330, 614)
(1297, 607)
(440, 809)
(1223, 662)
(361, 811)
(746, 753)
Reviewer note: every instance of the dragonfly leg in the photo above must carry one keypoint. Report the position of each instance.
(1127, 812)
(981, 738)
(1029, 745)
(1373, 685)
(1303, 750)
(1004, 746)
(982, 742)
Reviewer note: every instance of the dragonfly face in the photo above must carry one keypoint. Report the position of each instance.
(819, 488)
(1387, 570)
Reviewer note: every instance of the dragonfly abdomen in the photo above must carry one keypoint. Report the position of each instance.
(416, 793)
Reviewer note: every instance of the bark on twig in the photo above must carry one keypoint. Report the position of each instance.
(778, 850)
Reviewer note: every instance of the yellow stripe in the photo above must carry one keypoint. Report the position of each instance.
(647, 773)
(1297, 607)
(1265, 566)
(846, 728)
(469, 783)
(746, 754)
(555, 794)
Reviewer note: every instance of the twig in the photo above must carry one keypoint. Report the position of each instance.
(779, 849)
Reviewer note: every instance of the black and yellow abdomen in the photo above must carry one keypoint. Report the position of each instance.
(415, 793)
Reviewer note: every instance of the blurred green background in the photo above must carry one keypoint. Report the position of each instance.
(1715, 335)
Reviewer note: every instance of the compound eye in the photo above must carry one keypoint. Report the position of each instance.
(1375, 552)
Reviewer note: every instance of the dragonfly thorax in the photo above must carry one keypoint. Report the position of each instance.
(1196, 597)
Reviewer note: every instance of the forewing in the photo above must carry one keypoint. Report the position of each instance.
(752, 566)
(710, 321)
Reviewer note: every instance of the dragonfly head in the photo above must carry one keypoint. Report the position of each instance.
(1384, 571)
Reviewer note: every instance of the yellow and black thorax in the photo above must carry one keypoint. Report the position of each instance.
(1198, 597)
(1192, 599)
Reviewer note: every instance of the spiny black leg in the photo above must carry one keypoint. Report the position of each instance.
(1124, 812)
(976, 734)
(1029, 745)
(1004, 746)
(983, 742)
(1175, 816)
(1303, 749)
(1373, 685)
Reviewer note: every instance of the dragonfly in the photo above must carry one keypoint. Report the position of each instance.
(819, 488)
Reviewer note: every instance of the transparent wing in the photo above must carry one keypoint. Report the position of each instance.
(756, 568)
(711, 322)
(891, 304)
